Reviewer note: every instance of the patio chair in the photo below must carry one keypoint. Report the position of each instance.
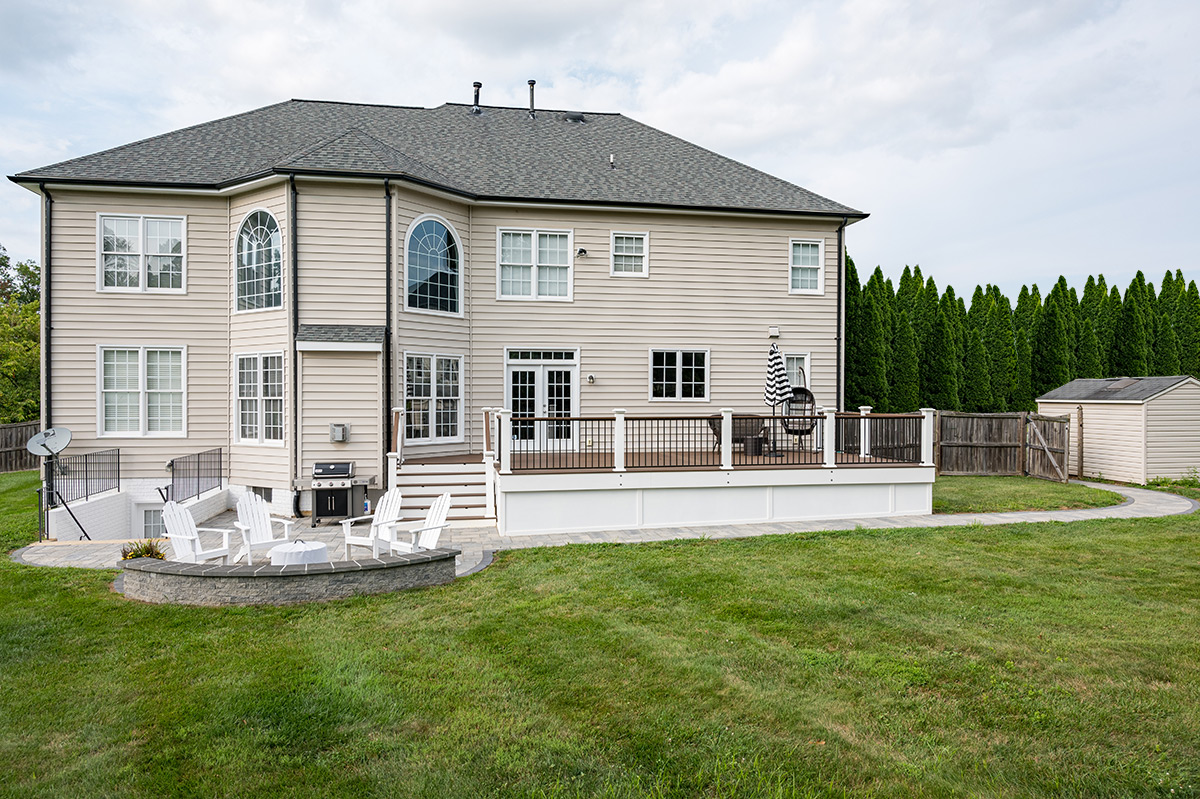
(255, 524)
(387, 512)
(745, 427)
(184, 536)
(423, 537)
(802, 403)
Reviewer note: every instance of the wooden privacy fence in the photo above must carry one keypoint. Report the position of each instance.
(1003, 444)
(13, 455)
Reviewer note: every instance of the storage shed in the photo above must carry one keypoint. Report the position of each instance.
(1133, 429)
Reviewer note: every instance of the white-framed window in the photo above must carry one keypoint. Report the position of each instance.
(807, 273)
(630, 254)
(433, 407)
(534, 264)
(259, 383)
(433, 267)
(152, 523)
(141, 253)
(679, 375)
(142, 391)
(798, 372)
(258, 262)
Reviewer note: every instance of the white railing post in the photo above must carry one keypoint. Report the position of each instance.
(727, 438)
(618, 439)
(393, 469)
(504, 441)
(864, 432)
(928, 414)
(830, 438)
(489, 464)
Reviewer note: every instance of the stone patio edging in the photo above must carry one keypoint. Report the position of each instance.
(214, 585)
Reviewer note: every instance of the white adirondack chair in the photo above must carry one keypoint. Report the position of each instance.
(423, 537)
(254, 523)
(184, 536)
(387, 511)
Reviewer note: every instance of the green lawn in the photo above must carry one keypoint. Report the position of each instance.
(1000, 494)
(1187, 487)
(1050, 659)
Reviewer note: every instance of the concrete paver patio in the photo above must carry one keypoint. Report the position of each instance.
(479, 540)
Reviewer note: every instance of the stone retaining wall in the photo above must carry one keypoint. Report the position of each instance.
(164, 581)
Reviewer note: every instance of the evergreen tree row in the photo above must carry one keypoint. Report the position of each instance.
(909, 346)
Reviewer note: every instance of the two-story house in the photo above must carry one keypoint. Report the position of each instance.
(405, 287)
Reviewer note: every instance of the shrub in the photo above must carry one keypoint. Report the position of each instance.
(147, 548)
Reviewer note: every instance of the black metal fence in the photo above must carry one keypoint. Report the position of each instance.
(72, 477)
(777, 440)
(192, 475)
(559, 442)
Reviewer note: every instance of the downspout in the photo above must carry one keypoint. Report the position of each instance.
(387, 324)
(841, 292)
(295, 331)
(47, 328)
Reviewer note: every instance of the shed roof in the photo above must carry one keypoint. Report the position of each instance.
(342, 334)
(497, 154)
(1113, 389)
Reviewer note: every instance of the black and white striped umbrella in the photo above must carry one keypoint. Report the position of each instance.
(779, 388)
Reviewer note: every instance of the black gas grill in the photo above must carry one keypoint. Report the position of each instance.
(337, 493)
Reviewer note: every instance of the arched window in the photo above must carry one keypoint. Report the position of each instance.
(433, 268)
(259, 263)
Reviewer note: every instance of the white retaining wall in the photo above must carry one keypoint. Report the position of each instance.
(554, 503)
(117, 515)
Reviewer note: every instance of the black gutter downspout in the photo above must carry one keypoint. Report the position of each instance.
(841, 303)
(387, 323)
(295, 352)
(47, 394)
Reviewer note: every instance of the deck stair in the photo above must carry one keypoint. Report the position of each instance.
(421, 482)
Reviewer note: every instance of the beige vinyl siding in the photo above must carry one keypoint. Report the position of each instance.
(417, 331)
(269, 330)
(1113, 439)
(342, 387)
(342, 248)
(84, 318)
(1173, 432)
(715, 283)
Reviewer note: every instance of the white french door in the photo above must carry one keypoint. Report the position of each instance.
(540, 387)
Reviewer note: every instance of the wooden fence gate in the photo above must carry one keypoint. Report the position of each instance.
(13, 455)
(1003, 444)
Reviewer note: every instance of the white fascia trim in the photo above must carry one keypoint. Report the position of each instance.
(234, 189)
(832, 219)
(339, 346)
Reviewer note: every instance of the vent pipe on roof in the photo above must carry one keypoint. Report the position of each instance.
(531, 113)
(475, 109)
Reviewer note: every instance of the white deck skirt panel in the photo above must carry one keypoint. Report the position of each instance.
(530, 504)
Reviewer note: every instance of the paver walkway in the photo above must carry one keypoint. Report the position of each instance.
(479, 541)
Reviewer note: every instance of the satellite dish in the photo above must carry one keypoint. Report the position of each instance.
(49, 442)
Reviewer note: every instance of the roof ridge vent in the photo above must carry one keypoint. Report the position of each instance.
(574, 116)
(475, 109)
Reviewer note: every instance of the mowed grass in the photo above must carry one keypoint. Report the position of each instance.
(1028, 660)
(1001, 494)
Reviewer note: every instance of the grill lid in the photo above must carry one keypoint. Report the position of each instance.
(335, 469)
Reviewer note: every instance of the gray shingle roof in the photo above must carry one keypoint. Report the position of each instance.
(369, 334)
(1124, 389)
(498, 154)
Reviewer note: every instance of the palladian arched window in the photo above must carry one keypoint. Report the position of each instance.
(433, 268)
(259, 263)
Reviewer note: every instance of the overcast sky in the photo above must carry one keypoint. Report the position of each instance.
(1006, 142)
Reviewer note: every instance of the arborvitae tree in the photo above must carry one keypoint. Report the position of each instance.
(1088, 361)
(1129, 342)
(1166, 353)
(925, 312)
(1025, 315)
(1092, 301)
(854, 333)
(1187, 330)
(1023, 397)
(1051, 366)
(904, 391)
(906, 292)
(1106, 330)
(939, 376)
(977, 315)
(870, 386)
(955, 316)
(1168, 296)
(1002, 353)
(977, 387)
